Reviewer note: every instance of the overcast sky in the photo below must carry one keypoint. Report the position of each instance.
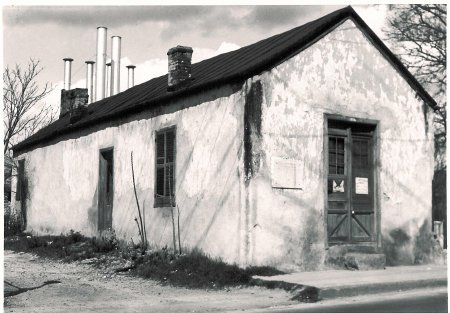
(51, 33)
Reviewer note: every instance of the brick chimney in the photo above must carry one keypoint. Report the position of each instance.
(179, 67)
(74, 102)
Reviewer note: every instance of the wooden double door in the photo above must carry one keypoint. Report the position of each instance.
(350, 212)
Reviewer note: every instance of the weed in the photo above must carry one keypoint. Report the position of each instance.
(141, 222)
(196, 270)
(72, 246)
(263, 271)
(107, 242)
(74, 237)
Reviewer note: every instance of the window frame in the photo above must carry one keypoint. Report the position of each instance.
(165, 200)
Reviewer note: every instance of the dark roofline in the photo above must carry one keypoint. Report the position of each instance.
(326, 25)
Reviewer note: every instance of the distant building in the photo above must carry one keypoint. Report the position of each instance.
(288, 152)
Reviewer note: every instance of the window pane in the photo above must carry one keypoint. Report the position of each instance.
(160, 181)
(360, 153)
(332, 158)
(336, 155)
(340, 144)
(332, 143)
(170, 186)
(340, 159)
(356, 147)
(364, 161)
(170, 146)
(160, 145)
(364, 148)
(332, 169)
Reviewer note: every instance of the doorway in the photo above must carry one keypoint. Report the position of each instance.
(351, 212)
(106, 189)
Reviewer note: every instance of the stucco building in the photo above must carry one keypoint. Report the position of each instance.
(308, 144)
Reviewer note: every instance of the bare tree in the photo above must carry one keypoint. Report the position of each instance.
(23, 113)
(419, 34)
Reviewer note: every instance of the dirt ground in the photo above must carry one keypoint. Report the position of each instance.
(84, 288)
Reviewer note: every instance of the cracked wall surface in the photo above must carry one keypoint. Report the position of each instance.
(227, 140)
(342, 74)
(64, 177)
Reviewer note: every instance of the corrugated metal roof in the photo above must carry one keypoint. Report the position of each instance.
(231, 67)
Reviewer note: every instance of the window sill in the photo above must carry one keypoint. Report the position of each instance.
(163, 203)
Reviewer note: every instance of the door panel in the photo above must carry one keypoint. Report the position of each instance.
(337, 224)
(350, 186)
(362, 189)
(362, 226)
(106, 189)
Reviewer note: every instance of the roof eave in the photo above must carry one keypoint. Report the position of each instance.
(344, 14)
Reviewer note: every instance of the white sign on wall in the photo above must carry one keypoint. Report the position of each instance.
(361, 185)
(285, 173)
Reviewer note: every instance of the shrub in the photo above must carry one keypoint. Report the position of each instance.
(12, 222)
(107, 242)
(74, 237)
(263, 271)
(193, 270)
(71, 246)
(196, 270)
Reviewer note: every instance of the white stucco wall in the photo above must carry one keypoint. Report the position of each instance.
(343, 73)
(251, 222)
(63, 178)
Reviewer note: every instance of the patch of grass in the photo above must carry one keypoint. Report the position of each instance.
(263, 271)
(106, 242)
(69, 247)
(196, 270)
(192, 270)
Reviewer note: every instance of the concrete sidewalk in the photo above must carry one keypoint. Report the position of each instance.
(346, 283)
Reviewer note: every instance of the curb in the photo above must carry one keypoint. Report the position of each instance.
(350, 291)
(301, 293)
(310, 294)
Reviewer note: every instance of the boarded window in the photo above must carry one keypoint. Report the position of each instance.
(20, 180)
(165, 144)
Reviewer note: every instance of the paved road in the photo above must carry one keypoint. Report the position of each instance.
(427, 301)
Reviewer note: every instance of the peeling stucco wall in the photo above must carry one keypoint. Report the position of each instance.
(227, 140)
(343, 74)
(64, 177)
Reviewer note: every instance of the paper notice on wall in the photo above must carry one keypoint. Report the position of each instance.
(285, 173)
(338, 185)
(361, 185)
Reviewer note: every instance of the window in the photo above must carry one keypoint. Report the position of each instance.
(336, 155)
(165, 144)
(360, 153)
(20, 180)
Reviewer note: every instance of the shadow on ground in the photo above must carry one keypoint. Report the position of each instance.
(13, 290)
